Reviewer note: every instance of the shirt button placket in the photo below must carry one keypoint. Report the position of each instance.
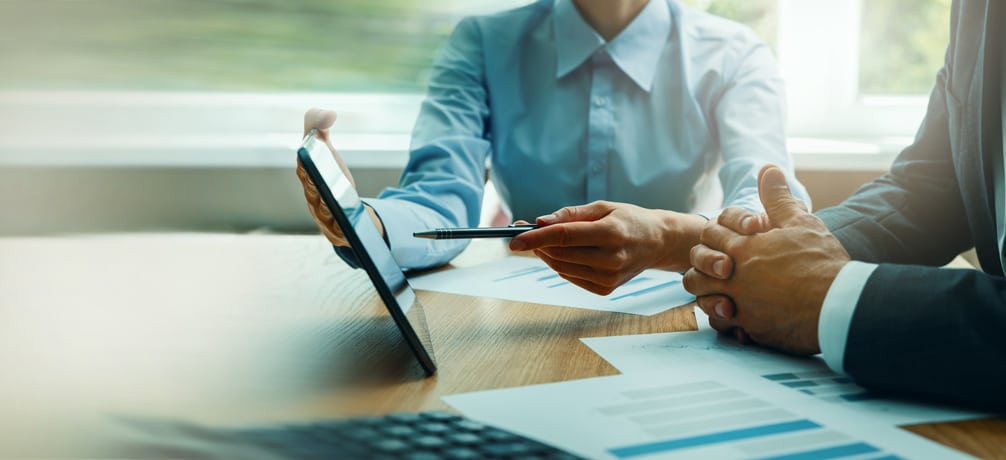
(600, 126)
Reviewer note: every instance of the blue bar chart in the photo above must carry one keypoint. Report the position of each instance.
(825, 385)
(528, 279)
(716, 419)
(710, 411)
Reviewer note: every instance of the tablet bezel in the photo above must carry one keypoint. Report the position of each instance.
(423, 350)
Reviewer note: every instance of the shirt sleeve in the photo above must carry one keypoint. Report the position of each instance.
(750, 119)
(837, 309)
(442, 183)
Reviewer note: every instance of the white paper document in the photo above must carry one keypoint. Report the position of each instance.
(704, 413)
(701, 319)
(528, 279)
(681, 351)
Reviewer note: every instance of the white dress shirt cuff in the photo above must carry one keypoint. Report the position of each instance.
(400, 219)
(837, 309)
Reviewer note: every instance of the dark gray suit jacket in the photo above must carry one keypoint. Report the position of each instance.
(919, 329)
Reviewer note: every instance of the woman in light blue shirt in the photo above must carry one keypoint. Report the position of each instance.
(660, 110)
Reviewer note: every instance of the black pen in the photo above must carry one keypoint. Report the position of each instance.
(476, 232)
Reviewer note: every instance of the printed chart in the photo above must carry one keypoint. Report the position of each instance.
(825, 385)
(704, 413)
(810, 376)
(528, 279)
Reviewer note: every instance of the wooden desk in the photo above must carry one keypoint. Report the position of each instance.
(227, 329)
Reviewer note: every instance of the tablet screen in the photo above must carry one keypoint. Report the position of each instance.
(367, 243)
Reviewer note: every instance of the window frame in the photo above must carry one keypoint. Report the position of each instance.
(825, 102)
(831, 125)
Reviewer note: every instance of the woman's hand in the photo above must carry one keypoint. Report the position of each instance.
(321, 120)
(601, 245)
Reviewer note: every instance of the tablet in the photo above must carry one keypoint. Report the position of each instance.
(367, 243)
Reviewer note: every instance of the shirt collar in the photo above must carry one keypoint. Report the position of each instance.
(636, 50)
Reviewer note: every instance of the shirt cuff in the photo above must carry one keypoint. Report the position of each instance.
(837, 309)
(400, 219)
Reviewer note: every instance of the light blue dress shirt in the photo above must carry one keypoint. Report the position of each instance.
(677, 112)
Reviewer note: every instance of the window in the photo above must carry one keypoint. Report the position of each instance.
(369, 46)
(243, 71)
(902, 45)
(759, 15)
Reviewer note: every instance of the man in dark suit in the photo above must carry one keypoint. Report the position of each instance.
(860, 282)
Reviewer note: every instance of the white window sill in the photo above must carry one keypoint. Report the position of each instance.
(389, 151)
(221, 130)
(845, 154)
(266, 150)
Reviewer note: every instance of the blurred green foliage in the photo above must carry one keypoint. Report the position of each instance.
(902, 45)
(347, 45)
(759, 15)
(300, 45)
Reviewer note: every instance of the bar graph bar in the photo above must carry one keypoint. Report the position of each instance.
(824, 385)
(846, 450)
(552, 280)
(708, 412)
(713, 438)
(528, 279)
(645, 290)
(549, 277)
(520, 273)
(708, 416)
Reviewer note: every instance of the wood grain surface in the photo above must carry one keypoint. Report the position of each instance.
(235, 329)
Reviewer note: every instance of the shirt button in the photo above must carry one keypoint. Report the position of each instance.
(599, 101)
(596, 167)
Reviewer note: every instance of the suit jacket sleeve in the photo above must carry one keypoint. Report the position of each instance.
(923, 330)
(914, 214)
(932, 332)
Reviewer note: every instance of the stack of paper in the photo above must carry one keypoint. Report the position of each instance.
(809, 376)
(707, 412)
(690, 394)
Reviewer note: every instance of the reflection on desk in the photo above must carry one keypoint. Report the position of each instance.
(228, 329)
(238, 329)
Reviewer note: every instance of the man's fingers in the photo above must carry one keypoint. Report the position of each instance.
(780, 205)
(718, 237)
(711, 262)
(717, 306)
(743, 221)
(587, 212)
(320, 119)
(742, 336)
(722, 326)
(699, 284)
(731, 329)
